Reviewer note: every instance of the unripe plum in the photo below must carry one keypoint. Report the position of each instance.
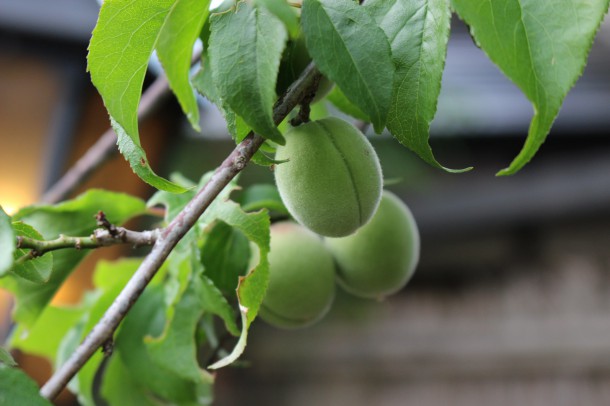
(301, 278)
(332, 181)
(379, 258)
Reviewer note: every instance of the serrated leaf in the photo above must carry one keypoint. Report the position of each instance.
(7, 242)
(204, 83)
(225, 256)
(16, 388)
(351, 50)
(175, 47)
(175, 350)
(283, 11)
(135, 155)
(147, 319)
(37, 270)
(6, 358)
(214, 302)
(252, 287)
(245, 51)
(542, 46)
(74, 217)
(418, 32)
(121, 44)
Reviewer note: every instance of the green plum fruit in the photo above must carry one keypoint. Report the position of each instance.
(331, 182)
(379, 258)
(301, 278)
(294, 61)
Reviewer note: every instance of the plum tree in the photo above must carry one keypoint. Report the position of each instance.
(301, 278)
(332, 181)
(379, 258)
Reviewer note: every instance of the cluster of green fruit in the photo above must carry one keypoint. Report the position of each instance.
(332, 185)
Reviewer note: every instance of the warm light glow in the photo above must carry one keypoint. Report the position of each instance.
(9, 208)
(13, 198)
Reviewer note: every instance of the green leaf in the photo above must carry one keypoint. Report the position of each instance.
(120, 388)
(110, 278)
(283, 11)
(73, 217)
(175, 47)
(175, 350)
(122, 42)
(418, 32)
(135, 155)
(245, 51)
(6, 358)
(214, 302)
(37, 270)
(262, 196)
(225, 256)
(45, 337)
(204, 83)
(252, 287)
(338, 99)
(7, 242)
(351, 50)
(145, 320)
(16, 388)
(542, 46)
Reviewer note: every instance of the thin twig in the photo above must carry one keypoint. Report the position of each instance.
(171, 235)
(100, 238)
(105, 147)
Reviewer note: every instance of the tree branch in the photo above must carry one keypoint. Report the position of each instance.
(230, 167)
(100, 238)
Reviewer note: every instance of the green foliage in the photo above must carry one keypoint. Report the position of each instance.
(37, 270)
(74, 217)
(418, 33)
(540, 45)
(351, 50)
(245, 51)
(16, 388)
(283, 11)
(6, 358)
(122, 42)
(175, 46)
(225, 256)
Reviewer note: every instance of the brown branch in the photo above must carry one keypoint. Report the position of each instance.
(100, 238)
(171, 235)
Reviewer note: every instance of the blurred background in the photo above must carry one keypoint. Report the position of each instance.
(511, 301)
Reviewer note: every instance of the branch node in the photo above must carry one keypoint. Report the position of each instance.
(108, 347)
(78, 244)
(240, 162)
(102, 221)
(19, 241)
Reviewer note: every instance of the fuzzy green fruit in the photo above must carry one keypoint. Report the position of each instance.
(379, 258)
(294, 61)
(332, 181)
(301, 278)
